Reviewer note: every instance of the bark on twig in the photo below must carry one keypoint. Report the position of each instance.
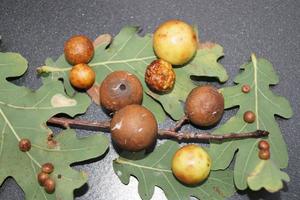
(79, 123)
(207, 136)
(162, 133)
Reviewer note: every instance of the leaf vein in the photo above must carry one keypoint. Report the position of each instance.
(276, 105)
(146, 44)
(145, 182)
(247, 160)
(163, 156)
(230, 143)
(2, 139)
(172, 187)
(123, 45)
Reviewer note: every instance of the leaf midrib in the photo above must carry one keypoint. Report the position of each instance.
(122, 161)
(33, 107)
(105, 63)
(2, 139)
(254, 61)
(59, 150)
(16, 135)
(18, 138)
(40, 188)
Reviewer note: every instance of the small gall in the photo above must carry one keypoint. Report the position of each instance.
(249, 117)
(263, 145)
(42, 177)
(47, 168)
(82, 76)
(24, 145)
(78, 49)
(246, 88)
(264, 154)
(160, 76)
(49, 185)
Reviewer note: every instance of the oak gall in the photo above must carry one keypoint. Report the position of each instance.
(175, 41)
(24, 145)
(246, 88)
(47, 168)
(42, 177)
(118, 89)
(82, 76)
(78, 49)
(264, 154)
(249, 117)
(134, 128)
(263, 145)
(160, 76)
(204, 106)
(49, 185)
(191, 164)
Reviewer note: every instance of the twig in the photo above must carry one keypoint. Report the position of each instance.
(162, 133)
(79, 123)
(180, 123)
(208, 136)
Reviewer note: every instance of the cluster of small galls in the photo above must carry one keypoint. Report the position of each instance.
(43, 177)
(79, 50)
(264, 150)
(250, 117)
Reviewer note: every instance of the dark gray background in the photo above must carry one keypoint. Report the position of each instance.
(38, 29)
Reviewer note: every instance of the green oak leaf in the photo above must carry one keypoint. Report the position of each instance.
(259, 74)
(265, 172)
(133, 53)
(23, 114)
(155, 170)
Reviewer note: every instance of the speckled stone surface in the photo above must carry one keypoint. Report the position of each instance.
(271, 29)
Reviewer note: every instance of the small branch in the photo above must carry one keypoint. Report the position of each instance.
(105, 125)
(180, 123)
(208, 136)
(79, 123)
